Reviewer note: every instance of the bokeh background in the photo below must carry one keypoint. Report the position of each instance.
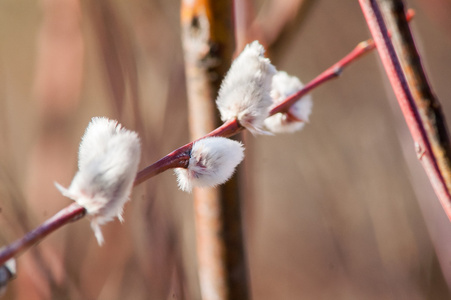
(339, 210)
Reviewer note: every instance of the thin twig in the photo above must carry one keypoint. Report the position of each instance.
(406, 101)
(67, 215)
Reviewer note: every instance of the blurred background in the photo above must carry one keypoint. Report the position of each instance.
(340, 210)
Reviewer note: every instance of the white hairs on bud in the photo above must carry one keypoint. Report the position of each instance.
(10, 265)
(212, 162)
(244, 92)
(7, 273)
(283, 86)
(108, 160)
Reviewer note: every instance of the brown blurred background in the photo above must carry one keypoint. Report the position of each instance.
(341, 210)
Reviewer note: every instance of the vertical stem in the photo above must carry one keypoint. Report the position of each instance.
(428, 105)
(208, 41)
(406, 101)
(244, 16)
(431, 115)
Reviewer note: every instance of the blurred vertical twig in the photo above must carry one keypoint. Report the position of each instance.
(274, 26)
(279, 23)
(110, 36)
(116, 45)
(118, 58)
(244, 14)
(208, 41)
(409, 107)
(57, 84)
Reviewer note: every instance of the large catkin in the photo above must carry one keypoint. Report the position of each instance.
(107, 164)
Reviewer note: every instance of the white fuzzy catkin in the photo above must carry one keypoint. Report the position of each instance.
(212, 162)
(108, 160)
(283, 86)
(244, 92)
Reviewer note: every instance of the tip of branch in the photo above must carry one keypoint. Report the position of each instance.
(410, 14)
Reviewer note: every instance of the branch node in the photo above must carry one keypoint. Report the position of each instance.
(338, 70)
(420, 151)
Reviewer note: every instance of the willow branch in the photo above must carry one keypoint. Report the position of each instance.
(406, 101)
(179, 157)
(67, 215)
(427, 103)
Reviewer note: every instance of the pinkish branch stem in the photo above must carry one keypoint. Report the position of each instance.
(409, 109)
(331, 73)
(67, 215)
(178, 158)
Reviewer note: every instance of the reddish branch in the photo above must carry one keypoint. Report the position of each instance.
(178, 158)
(331, 73)
(67, 215)
(428, 105)
(406, 101)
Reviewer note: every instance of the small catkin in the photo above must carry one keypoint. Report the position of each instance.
(212, 162)
(283, 86)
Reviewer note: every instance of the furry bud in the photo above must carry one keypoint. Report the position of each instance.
(212, 162)
(244, 92)
(283, 86)
(107, 164)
